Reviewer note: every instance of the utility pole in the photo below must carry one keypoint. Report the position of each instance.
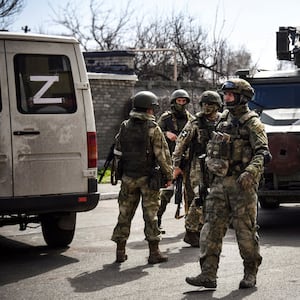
(26, 29)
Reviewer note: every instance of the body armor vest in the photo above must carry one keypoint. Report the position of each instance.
(204, 133)
(174, 125)
(137, 154)
(231, 144)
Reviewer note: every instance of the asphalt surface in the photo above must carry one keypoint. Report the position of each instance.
(108, 191)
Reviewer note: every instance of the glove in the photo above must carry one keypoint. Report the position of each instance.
(246, 180)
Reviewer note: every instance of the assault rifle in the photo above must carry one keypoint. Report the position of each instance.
(178, 195)
(178, 189)
(109, 158)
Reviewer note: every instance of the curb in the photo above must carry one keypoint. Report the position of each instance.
(108, 196)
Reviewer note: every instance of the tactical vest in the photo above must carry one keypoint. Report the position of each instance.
(204, 132)
(231, 144)
(137, 154)
(174, 125)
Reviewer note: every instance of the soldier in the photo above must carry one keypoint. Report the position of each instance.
(141, 147)
(195, 136)
(171, 124)
(235, 159)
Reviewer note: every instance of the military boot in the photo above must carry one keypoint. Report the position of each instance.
(201, 280)
(248, 281)
(155, 256)
(121, 256)
(250, 271)
(192, 238)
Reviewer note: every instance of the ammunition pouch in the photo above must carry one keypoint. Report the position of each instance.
(221, 149)
(241, 151)
(116, 170)
(157, 180)
(217, 166)
(217, 160)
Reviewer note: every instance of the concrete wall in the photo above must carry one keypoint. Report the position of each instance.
(111, 98)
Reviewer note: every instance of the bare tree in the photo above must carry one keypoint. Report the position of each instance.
(154, 64)
(103, 31)
(8, 10)
(199, 56)
(192, 43)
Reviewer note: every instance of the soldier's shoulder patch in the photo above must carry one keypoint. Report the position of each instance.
(183, 133)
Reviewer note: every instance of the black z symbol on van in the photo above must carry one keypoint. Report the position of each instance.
(49, 81)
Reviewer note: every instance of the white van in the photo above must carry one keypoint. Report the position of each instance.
(48, 147)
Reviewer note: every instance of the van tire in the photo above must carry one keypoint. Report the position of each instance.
(54, 235)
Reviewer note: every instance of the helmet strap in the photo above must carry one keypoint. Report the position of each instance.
(237, 99)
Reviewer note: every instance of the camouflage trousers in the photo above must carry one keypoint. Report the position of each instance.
(194, 217)
(132, 190)
(226, 203)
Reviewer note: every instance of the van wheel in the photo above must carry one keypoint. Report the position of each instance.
(58, 229)
(267, 204)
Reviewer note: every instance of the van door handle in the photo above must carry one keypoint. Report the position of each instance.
(26, 132)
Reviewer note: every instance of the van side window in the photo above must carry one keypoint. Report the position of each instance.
(44, 84)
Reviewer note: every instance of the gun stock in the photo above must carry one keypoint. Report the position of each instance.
(178, 195)
(109, 158)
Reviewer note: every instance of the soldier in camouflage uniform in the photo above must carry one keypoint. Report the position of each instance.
(194, 137)
(235, 158)
(141, 147)
(171, 124)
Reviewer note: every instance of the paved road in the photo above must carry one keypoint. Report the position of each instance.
(86, 270)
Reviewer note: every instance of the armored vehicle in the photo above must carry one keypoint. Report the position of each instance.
(277, 99)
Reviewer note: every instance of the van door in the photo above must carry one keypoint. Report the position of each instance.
(6, 184)
(48, 127)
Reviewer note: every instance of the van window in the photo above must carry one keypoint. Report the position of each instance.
(44, 84)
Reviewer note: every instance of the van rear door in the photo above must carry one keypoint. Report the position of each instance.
(6, 184)
(48, 127)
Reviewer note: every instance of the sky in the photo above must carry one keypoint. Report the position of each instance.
(250, 24)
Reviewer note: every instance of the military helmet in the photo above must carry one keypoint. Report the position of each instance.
(239, 86)
(144, 100)
(210, 97)
(180, 94)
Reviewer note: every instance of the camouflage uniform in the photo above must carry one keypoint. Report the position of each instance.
(174, 121)
(169, 122)
(235, 159)
(194, 137)
(135, 182)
